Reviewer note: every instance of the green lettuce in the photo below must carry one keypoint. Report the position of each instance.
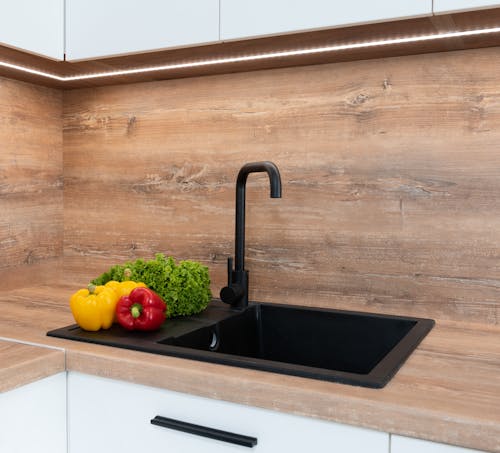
(185, 286)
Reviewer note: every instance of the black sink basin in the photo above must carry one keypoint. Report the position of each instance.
(354, 348)
(334, 345)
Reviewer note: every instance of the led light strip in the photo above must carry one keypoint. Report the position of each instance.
(263, 56)
(31, 71)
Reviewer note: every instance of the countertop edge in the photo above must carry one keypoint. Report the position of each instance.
(31, 364)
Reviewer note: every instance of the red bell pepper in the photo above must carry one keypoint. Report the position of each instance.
(142, 309)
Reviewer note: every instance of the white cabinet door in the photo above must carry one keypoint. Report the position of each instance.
(245, 18)
(34, 26)
(451, 6)
(400, 444)
(33, 417)
(97, 28)
(106, 415)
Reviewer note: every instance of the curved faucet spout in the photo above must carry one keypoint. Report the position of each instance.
(236, 291)
(256, 167)
(275, 182)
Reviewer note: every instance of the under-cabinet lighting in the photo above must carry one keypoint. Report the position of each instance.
(255, 57)
(30, 70)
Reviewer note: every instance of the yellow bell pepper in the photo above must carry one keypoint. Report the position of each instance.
(123, 288)
(94, 308)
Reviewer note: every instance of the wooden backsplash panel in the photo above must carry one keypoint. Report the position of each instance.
(390, 170)
(31, 186)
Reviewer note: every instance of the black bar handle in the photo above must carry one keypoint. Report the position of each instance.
(224, 436)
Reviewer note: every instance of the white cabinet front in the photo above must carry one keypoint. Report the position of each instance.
(33, 417)
(451, 6)
(107, 415)
(96, 28)
(401, 444)
(34, 26)
(244, 18)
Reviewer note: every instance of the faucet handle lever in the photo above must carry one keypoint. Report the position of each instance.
(234, 292)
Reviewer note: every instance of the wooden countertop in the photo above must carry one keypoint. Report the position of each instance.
(448, 390)
(21, 364)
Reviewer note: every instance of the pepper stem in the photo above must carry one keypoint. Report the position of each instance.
(91, 287)
(136, 310)
(127, 273)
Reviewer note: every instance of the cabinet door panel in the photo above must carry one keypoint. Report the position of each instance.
(107, 415)
(34, 26)
(400, 444)
(450, 6)
(96, 28)
(243, 18)
(33, 417)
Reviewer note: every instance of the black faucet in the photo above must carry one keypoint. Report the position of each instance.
(236, 291)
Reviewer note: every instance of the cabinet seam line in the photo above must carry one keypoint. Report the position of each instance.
(220, 5)
(64, 29)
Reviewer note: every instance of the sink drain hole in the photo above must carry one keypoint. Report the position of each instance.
(214, 342)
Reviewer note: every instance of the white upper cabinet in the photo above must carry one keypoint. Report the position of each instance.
(90, 29)
(97, 28)
(250, 18)
(33, 26)
(451, 6)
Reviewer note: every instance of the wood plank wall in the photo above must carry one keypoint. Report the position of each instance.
(390, 170)
(31, 174)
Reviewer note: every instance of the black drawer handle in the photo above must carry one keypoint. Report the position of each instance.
(238, 439)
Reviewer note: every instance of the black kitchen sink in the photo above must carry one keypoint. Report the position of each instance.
(334, 345)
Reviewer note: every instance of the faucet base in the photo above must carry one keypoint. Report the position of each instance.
(236, 293)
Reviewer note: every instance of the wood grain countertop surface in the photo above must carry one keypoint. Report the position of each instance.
(448, 390)
(21, 364)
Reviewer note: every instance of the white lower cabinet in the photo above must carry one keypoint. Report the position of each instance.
(98, 415)
(106, 415)
(401, 444)
(33, 417)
